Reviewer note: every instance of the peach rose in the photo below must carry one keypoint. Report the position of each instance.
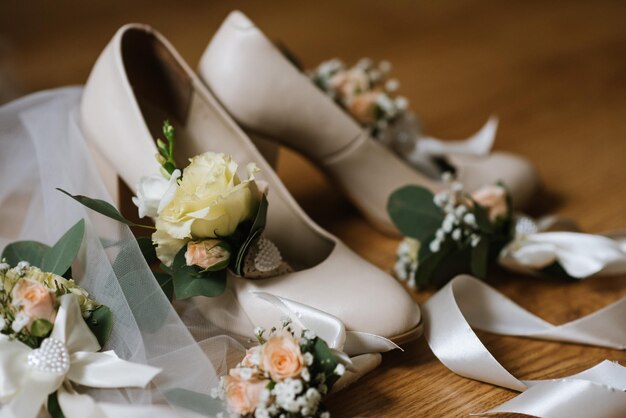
(35, 299)
(351, 83)
(205, 254)
(494, 199)
(281, 357)
(363, 107)
(252, 357)
(242, 396)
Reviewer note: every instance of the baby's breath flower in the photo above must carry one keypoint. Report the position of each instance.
(309, 334)
(340, 369)
(20, 321)
(305, 375)
(392, 85)
(470, 219)
(308, 358)
(4, 267)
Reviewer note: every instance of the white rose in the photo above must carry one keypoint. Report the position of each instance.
(150, 192)
(209, 202)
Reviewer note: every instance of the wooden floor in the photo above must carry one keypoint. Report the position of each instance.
(554, 72)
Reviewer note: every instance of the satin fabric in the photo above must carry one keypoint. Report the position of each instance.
(537, 246)
(25, 389)
(367, 347)
(466, 303)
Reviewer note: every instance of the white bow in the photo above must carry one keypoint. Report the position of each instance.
(580, 255)
(68, 356)
(466, 303)
(364, 347)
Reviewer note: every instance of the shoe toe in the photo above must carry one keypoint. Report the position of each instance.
(363, 297)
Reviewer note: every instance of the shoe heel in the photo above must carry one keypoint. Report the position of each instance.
(268, 147)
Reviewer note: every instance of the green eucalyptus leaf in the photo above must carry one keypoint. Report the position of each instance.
(429, 263)
(189, 281)
(104, 208)
(166, 283)
(414, 212)
(40, 328)
(101, 324)
(324, 362)
(60, 257)
(31, 251)
(255, 232)
(54, 409)
(480, 258)
(148, 249)
(482, 219)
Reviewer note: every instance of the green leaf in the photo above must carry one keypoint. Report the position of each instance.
(148, 249)
(429, 263)
(325, 361)
(31, 251)
(255, 232)
(197, 402)
(480, 258)
(482, 219)
(40, 328)
(414, 212)
(104, 208)
(101, 324)
(166, 283)
(189, 281)
(54, 409)
(60, 257)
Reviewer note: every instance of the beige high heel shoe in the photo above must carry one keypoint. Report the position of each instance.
(138, 81)
(277, 103)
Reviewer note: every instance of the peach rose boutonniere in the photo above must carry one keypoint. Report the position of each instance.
(451, 232)
(283, 376)
(29, 296)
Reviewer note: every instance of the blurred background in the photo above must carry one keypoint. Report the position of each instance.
(554, 72)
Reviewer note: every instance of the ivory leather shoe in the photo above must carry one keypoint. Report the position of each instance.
(278, 104)
(138, 81)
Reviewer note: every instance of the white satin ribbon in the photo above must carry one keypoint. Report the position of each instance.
(364, 347)
(580, 255)
(24, 388)
(478, 144)
(466, 302)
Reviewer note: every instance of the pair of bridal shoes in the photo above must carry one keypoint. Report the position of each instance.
(138, 82)
(246, 99)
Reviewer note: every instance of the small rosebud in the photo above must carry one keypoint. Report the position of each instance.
(211, 253)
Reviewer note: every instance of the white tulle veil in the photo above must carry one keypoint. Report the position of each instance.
(42, 148)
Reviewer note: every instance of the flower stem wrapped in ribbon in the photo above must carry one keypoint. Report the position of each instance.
(207, 221)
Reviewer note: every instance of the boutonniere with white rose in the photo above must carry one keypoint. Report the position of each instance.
(51, 332)
(284, 376)
(449, 233)
(206, 221)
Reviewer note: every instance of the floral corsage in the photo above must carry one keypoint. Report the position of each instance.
(284, 376)
(51, 332)
(207, 221)
(449, 233)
